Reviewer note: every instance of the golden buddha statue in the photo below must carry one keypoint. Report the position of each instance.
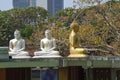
(75, 50)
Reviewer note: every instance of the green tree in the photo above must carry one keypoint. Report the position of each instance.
(18, 19)
(99, 25)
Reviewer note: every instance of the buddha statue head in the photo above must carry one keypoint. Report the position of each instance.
(74, 26)
(48, 34)
(17, 34)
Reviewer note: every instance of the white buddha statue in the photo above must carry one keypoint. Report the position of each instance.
(47, 45)
(17, 46)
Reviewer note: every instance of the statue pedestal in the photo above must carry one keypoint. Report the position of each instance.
(20, 57)
(77, 55)
(42, 54)
(4, 53)
(46, 56)
(78, 52)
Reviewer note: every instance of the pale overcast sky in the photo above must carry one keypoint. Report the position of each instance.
(7, 4)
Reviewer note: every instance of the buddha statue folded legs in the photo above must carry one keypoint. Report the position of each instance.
(47, 54)
(21, 53)
(43, 53)
(78, 52)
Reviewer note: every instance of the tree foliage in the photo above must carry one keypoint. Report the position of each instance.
(99, 25)
(20, 19)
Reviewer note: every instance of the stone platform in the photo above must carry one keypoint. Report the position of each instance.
(85, 62)
(4, 53)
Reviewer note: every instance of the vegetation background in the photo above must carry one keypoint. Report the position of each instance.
(99, 27)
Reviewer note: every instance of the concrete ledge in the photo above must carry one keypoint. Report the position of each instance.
(4, 53)
(87, 62)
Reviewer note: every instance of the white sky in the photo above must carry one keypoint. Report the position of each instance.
(68, 3)
(7, 4)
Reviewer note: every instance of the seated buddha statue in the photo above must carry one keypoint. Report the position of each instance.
(75, 50)
(47, 46)
(17, 46)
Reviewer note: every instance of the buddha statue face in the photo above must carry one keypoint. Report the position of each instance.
(17, 34)
(48, 34)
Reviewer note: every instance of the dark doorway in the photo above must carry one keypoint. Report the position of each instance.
(101, 74)
(118, 74)
(72, 73)
(2, 74)
(18, 74)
